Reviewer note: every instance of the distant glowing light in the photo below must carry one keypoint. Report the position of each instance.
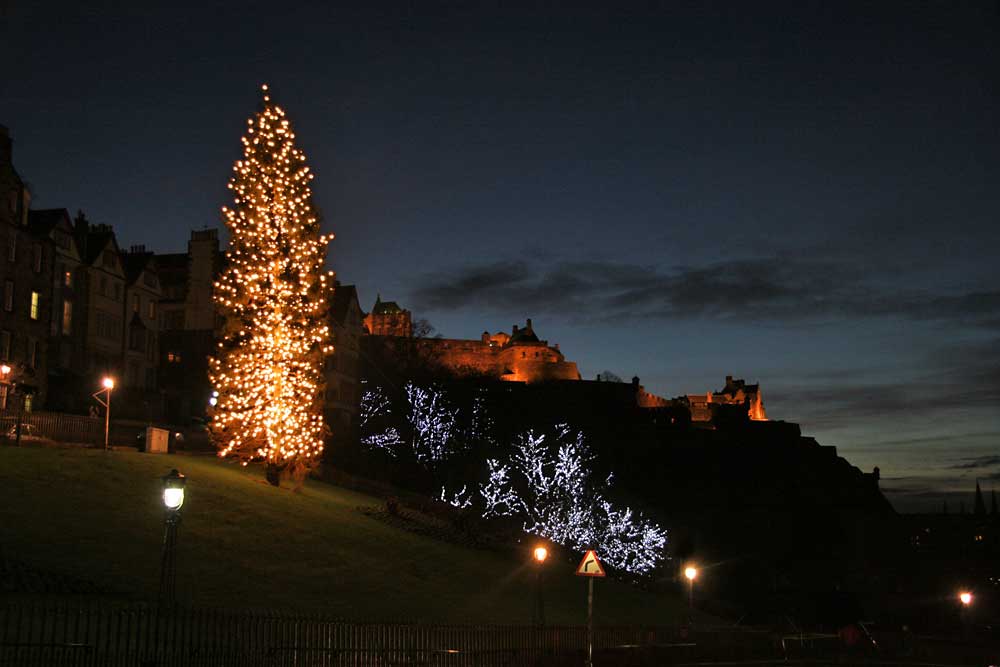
(541, 553)
(691, 573)
(108, 383)
(965, 597)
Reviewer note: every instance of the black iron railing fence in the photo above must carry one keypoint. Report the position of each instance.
(103, 634)
(53, 426)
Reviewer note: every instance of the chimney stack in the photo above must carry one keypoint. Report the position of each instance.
(6, 146)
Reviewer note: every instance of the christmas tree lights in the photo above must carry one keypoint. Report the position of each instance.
(273, 294)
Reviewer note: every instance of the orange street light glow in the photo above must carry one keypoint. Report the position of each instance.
(690, 573)
(541, 553)
(966, 598)
(108, 383)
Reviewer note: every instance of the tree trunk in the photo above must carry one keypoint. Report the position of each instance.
(272, 472)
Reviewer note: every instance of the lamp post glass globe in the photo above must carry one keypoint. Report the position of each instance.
(541, 553)
(173, 490)
(690, 572)
(4, 370)
(108, 383)
(965, 597)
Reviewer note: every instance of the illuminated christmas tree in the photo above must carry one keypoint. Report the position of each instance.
(273, 293)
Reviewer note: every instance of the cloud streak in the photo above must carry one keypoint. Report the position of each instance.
(772, 289)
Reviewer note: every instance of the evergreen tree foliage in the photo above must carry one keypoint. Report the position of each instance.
(273, 294)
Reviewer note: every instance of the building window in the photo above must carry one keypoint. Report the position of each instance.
(8, 295)
(3, 397)
(32, 352)
(137, 339)
(65, 356)
(67, 278)
(37, 257)
(12, 248)
(67, 318)
(173, 319)
(173, 357)
(35, 302)
(135, 303)
(151, 309)
(151, 379)
(62, 240)
(29, 402)
(5, 338)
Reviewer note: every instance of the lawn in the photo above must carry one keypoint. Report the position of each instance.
(97, 516)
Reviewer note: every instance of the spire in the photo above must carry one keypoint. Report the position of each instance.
(980, 508)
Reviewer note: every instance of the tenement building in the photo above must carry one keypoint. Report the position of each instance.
(25, 292)
(189, 321)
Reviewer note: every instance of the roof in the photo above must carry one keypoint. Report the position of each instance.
(95, 244)
(135, 263)
(385, 307)
(42, 222)
(340, 302)
(525, 335)
(172, 270)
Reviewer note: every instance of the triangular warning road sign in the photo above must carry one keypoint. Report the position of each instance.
(590, 566)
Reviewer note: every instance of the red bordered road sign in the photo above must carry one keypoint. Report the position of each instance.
(590, 566)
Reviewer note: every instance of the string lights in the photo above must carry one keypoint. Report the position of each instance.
(273, 294)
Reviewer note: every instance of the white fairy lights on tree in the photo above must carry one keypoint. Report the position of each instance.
(273, 293)
(543, 481)
(553, 493)
(375, 407)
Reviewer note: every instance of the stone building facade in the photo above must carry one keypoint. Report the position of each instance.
(520, 356)
(735, 394)
(388, 319)
(65, 350)
(342, 368)
(188, 321)
(25, 292)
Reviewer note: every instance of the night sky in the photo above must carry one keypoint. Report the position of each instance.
(805, 195)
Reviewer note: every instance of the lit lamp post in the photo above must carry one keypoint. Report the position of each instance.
(5, 387)
(108, 385)
(173, 499)
(539, 554)
(691, 573)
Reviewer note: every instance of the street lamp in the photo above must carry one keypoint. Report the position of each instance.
(691, 573)
(173, 500)
(108, 384)
(539, 555)
(965, 597)
(10, 389)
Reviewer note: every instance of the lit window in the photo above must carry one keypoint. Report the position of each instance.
(29, 401)
(173, 358)
(67, 318)
(152, 310)
(135, 303)
(35, 300)
(67, 279)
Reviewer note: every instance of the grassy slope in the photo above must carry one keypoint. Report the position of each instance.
(97, 516)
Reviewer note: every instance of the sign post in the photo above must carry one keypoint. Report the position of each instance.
(591, 568)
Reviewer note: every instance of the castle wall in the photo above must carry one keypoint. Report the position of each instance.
(527, 363)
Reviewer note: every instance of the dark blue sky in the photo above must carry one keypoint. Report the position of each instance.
(802, 194)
